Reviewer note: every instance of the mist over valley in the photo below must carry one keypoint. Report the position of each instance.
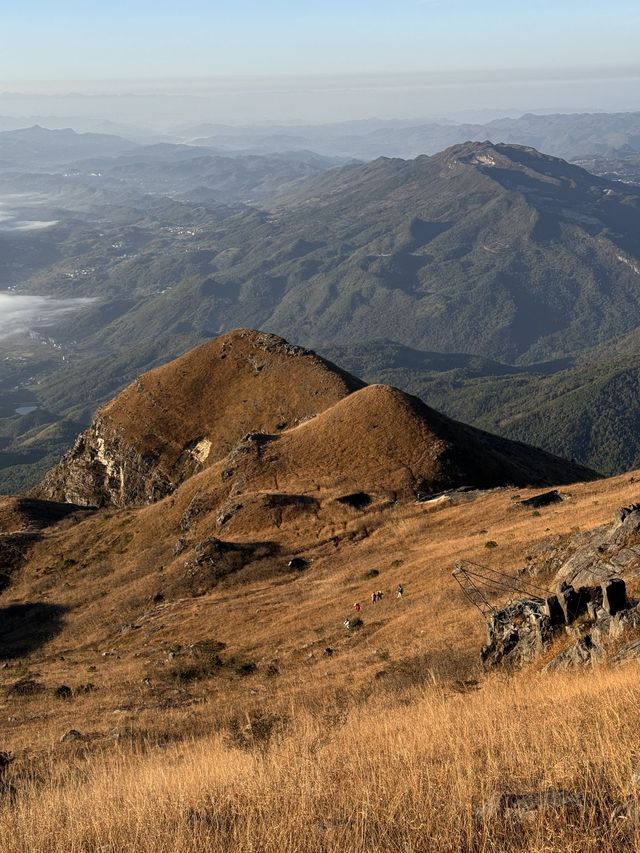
(320, 427)
(21, 314)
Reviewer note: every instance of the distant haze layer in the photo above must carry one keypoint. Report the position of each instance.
(159, 105)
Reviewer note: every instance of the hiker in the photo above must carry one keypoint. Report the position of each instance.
(357, 607)
(379, 594)
(399, 591)
(347, 623)
(374, 597)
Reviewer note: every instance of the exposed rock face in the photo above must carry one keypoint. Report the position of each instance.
(517, 634)
(610, 551)
(589, 616)
(590, 604)
(104, 469)
(627, 652)
(614, 596)
(584, 651)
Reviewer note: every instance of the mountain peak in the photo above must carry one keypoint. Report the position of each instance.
(489, 153)
(184, 416)
(223, 406)
(499, 158)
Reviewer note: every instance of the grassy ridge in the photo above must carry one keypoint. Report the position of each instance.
(584, 410)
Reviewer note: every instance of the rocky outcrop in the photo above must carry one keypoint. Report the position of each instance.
(104, 469)
(517, 634)
(590, 608)
(589, 617)
(212, 560)
(545, 499)
(588, 557)
(607, 552)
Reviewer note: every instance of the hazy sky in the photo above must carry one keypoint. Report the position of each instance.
(121, 46)
(80, 39)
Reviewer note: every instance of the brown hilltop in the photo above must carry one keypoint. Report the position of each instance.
(183, 416)
(382, 441)
(273, 416)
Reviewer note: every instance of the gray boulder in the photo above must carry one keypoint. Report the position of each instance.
(582, 653)
(517, 633)
(508, 805)
(573, 602)
(72, 734)
(607, 552)
(591, 616)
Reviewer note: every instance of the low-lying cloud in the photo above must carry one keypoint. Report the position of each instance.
(20, 314)
(12, 220)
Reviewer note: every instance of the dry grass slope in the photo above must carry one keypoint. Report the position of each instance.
(415, 776)
(194, 665)
(186, 415)
(244, 381)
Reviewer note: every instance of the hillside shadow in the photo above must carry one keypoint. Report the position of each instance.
(422, 232)
(24, 628)
(40, 513)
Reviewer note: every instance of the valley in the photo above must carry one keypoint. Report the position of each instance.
(224, 554)
(494, 252)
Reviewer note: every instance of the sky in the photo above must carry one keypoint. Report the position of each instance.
(84, 39)
(197, 48)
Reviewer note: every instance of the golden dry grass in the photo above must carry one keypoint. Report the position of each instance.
(288, 618)
(385, 746)
(386, 776)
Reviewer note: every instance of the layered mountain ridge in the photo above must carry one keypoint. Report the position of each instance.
(490, 250)
(277, 416)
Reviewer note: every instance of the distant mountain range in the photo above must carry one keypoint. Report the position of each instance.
(101, 164)
(590, 137)
(39, 148)
(525, 264)
(564, 135)
(198, 175)
(495, 250)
